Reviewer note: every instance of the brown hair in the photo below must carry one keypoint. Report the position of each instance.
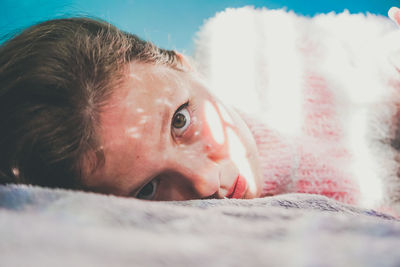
(54, 79)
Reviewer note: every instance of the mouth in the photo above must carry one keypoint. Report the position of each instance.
(238, 188)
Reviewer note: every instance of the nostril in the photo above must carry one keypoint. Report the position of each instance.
(214, 157)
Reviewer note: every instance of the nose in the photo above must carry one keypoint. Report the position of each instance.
(214, 136)
(194, 175)
(216, 152)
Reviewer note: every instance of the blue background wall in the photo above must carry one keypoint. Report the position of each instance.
(170, 24)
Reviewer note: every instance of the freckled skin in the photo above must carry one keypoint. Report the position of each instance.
(188, 163)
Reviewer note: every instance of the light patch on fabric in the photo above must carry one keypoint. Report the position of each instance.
(369, 181)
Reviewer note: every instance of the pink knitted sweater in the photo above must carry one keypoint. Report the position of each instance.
(321, 159)
(316, 162)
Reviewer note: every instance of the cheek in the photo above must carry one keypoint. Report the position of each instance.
(214, 124)
(212, 134)
(218, 133)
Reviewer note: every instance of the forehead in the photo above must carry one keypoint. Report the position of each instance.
(151, 80)
(146, 86)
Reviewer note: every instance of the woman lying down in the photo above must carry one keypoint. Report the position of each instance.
(86, 106)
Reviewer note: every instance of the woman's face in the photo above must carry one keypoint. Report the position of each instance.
(165, 137)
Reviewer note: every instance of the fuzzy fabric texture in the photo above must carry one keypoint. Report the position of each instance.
(49, 227)
(322, 96)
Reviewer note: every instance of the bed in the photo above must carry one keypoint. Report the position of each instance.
(49, 227)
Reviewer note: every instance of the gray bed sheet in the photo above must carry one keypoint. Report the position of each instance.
(52, 227)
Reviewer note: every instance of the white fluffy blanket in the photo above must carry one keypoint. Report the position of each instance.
(47, 227)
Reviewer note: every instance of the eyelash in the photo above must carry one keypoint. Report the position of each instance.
(191, 109)
(185, 105)
(188, 104)
(156, 183)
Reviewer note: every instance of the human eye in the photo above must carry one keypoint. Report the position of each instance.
(181, 120)
(148, 191)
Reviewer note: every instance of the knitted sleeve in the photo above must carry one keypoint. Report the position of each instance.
(315, 164)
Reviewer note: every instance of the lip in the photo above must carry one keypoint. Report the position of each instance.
(238, 188)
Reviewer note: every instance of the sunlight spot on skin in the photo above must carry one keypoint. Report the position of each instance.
(133, 132)
(238, 154)
(166, 102)
(167, 89)
(136, 77)
(135, 135)
(214, 122)
(192, 155)
(194, 120)
(188, 153)
(224, 113)
(139, 110)
(143, 119)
